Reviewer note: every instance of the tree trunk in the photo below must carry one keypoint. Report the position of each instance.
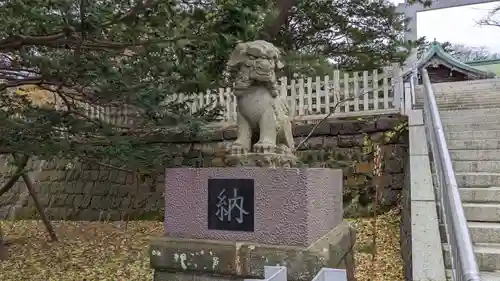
(3, 248)
(21, 163)
(19, 171)
(284, 9)
(46, 221)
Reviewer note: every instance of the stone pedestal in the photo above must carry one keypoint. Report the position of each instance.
(228, 223)
(264, 160)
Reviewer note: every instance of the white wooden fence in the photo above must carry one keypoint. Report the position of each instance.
(278, 273)
(310, 99)
(118, 115)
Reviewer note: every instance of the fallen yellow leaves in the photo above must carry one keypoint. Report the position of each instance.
(115, 252)
(39, 96)
(389, 264)
(86, 251)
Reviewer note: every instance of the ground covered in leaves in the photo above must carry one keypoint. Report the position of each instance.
(388, 265)
(95, 251)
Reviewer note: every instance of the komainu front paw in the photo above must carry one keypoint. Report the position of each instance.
(264, 147)
(238, 148)
(283, 149)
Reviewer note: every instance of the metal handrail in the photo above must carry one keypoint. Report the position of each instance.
(463, 261)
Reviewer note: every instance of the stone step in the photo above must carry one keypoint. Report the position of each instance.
(467, 100)
(482, 212)
(443, 93)
(476, 144)
(470, 120)
(483, 96)
(478, 103)
(477, 179)
(467, 106)
(487, 256)
(484, 275)
(474, 154)
(469, 112)
(464, 86)
(480, 195)
(476, 166)
(459, 119)
(458, 102)
(467, 88)
(484, 232)
(460, 127)
(447, 107)
(457, 97)
(473, 135)
(480, 232)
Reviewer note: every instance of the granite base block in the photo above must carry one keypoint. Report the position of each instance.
(168, 276)
(293, 206)
(181, 259)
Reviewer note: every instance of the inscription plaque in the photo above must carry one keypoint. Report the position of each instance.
(231, 204)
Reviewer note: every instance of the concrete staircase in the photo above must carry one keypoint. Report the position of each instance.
(470, 112)
(472, 130)
(466, 94)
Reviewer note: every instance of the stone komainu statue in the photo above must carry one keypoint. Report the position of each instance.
(260, 107)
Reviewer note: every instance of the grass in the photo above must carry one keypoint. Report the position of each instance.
(100, 251)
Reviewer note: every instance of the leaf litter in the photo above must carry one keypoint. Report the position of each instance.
(118, 251)
(388, 264)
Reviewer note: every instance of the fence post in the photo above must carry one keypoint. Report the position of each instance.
(317, 83)
(356, 92)
(347, 104)
(336, 88)
(375, 88)
(284, 87)
(326, 83)
(398, 88)
(366, 91)
(309, 109)
(385, 84)
(293, 98)
(234, 105)
(301, 97)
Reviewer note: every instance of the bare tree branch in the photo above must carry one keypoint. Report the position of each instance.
(489, 20)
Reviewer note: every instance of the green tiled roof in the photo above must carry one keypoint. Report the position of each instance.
(437, 51)
(487, 65)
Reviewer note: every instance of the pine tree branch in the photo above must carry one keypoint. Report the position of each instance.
(133, 12)
(17, 41)
(20, 82)
(71, 42)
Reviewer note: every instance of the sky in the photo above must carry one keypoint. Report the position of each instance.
(459, 25)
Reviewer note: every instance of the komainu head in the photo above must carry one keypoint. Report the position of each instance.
(254, 62)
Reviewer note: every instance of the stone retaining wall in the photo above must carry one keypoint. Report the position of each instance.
(92, 192)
